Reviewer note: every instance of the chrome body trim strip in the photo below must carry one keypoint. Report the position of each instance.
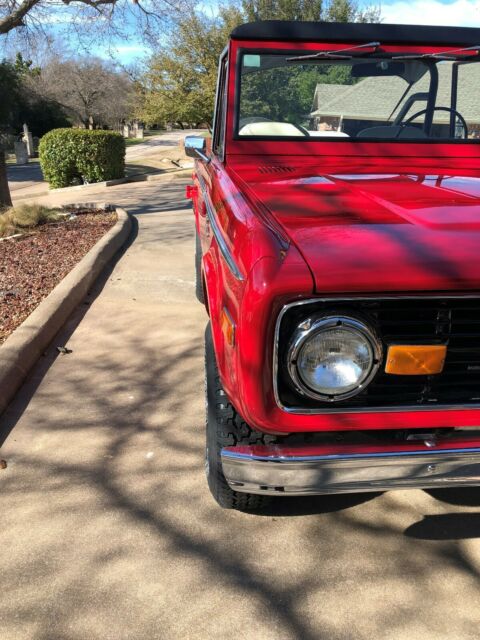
(327, 410)
(351, 473)
(224, 250)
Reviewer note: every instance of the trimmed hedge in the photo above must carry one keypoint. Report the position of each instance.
(77, 156)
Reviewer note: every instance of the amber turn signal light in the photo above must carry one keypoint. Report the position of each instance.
(228, 327)
(415, 360)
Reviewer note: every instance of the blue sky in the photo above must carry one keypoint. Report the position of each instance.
(126, 52)
(461, 13)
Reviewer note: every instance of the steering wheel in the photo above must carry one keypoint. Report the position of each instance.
(448, 109)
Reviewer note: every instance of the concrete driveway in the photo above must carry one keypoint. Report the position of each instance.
(162, 142)
(108, 531)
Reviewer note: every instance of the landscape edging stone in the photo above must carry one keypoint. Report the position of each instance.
(27, 343)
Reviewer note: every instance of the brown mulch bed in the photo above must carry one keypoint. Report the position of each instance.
(31, 266)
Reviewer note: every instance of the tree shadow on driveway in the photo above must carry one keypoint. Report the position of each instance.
(446, 526)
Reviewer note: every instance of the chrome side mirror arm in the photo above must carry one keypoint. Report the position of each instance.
(203, 157)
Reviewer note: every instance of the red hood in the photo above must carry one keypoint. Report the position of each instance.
(371, 232)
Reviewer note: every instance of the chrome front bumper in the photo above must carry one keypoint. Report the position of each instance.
(277, 470)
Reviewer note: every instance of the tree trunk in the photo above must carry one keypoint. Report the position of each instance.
(5, 199)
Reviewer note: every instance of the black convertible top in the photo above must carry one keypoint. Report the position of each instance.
(353, 32)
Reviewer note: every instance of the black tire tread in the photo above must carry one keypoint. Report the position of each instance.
(226, 428)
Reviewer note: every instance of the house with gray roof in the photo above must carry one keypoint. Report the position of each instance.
(376, 100)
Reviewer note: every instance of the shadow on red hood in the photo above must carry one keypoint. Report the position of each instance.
(380, 233)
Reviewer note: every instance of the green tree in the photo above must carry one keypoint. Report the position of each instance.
(10, 91)
(24, 68)
(180, 83)
(20, 104)
(286, 93)
(328, 10)
(350, 11)
(283, 10)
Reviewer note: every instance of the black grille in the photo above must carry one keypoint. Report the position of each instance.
(452, 322)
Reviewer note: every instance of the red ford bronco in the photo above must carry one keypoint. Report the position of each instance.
(337, 213)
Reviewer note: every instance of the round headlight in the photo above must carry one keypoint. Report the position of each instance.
(333, 358)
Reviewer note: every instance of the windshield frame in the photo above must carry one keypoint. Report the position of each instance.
(387, 55)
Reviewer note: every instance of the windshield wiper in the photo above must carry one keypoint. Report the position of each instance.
(441, 55)
(337, 54)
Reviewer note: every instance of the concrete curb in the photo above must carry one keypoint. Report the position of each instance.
(26, 344)
(27, 196)
(140, 177)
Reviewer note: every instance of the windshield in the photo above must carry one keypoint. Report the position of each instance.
(365, 98)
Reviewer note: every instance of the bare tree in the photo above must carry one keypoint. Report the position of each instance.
(90, 90)
(35, 14)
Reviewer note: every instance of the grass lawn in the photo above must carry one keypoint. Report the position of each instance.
(10, 159)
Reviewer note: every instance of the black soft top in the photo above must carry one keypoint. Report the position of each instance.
(353, 32)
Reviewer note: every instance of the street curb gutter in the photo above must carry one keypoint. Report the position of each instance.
(26, 344)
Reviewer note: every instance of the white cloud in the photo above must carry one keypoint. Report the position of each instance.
(459, 13)
(132, 48)
(123, 53)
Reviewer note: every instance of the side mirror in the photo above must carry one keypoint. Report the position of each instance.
(195, 147)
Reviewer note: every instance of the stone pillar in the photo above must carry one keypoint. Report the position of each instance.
(126, 130)
(139, 131)
(28, 140)
(21, 152)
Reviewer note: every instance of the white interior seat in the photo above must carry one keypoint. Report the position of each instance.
(270, 129)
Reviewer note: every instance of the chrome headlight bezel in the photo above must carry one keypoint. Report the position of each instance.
(314, 325)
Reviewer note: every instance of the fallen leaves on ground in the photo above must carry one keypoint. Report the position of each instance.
(31, 266)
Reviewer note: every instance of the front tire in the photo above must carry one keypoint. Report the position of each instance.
(225, 428)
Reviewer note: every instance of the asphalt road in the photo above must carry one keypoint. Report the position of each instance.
(23, 176)
(107, 527)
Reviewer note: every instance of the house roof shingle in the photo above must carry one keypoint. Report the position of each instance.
(374, 98)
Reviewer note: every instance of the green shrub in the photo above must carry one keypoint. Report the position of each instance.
(77, 156)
